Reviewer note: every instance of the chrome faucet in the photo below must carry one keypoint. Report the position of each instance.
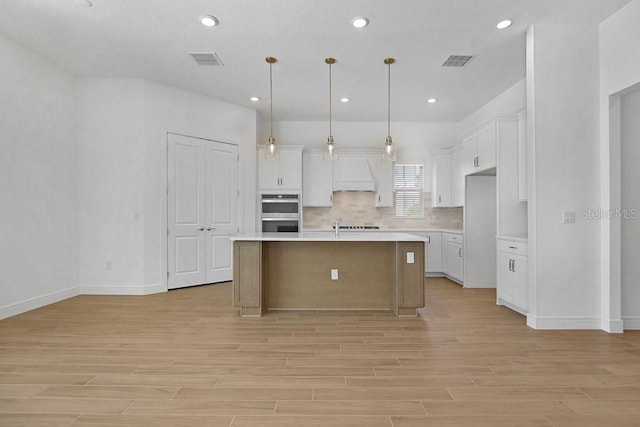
(337, 226)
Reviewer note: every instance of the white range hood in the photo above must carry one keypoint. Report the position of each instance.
(355, 172)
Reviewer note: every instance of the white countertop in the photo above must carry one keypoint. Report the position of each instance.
(325, 236)
(513, 238)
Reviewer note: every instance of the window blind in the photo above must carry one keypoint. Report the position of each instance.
(408, 184)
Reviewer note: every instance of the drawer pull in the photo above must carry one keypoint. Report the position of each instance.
(513, 247)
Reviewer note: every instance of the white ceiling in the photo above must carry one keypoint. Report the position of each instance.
(151, 39)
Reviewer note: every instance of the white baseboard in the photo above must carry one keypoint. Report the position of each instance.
(41, 301)
(37, 302)
(631, 323)
(453, 279)
(429, 274)
(512, 306)
(574, 322)
(122, 290)
(479, 286)
(614, 326)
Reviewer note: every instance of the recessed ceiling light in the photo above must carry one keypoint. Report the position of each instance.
(84, 3)
(344, 100)
(254, 99)
(208, 20)
(432, 100)
(360, 22)
(503, 24)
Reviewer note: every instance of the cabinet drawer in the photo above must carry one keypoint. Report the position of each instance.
(513, 247)
(452, 237)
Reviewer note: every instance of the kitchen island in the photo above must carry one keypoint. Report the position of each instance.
(298, 271)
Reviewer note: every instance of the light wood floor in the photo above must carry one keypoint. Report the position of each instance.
(185, 358)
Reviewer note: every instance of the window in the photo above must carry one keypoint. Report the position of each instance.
(408, 183)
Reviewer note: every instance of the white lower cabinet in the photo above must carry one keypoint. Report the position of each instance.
(453, 256)
(513, 284)
(433, 255)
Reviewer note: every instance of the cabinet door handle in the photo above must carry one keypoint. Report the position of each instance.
(210, 228)
(428, 240)
(459, 252)
(440, 199)
(201, 229)
(513, 265)
(513, 247)
(331, 198)
(378, 198)
(510, 264)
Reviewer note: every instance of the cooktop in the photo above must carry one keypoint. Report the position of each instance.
(358, 227)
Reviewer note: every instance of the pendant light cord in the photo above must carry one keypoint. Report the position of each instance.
(389, 100)
(271, 99)
(330, 111)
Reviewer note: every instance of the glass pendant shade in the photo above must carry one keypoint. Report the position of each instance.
(388, 147)
(330, 147)
(271, 146)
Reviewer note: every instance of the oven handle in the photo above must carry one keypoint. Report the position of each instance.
(287, 218)
(280, 200)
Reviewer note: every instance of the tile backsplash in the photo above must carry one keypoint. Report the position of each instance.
(358, 208)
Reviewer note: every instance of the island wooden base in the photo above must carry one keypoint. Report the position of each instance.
(285, 275)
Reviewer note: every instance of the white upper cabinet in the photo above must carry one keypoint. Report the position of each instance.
(317, 180)
(487, 138)
(282, 172)
(470, 149)
(457, 178)
(480, 149)
(384, 187)
(441, 181)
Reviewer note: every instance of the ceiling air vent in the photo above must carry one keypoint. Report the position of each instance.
(206, 58)
(457, 61)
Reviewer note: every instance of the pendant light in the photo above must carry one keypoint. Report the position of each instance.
(271, 145)
(330, 145)
(388, 145)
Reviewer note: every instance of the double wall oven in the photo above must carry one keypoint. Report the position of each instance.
(280, 213)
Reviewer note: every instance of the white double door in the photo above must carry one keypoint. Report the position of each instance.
(202, 210)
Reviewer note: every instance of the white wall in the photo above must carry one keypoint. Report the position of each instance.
(562, 74)
(630, 200)
(619, 70)
(110, 183)
(507, 104)
(123, 136)
(38, 203)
